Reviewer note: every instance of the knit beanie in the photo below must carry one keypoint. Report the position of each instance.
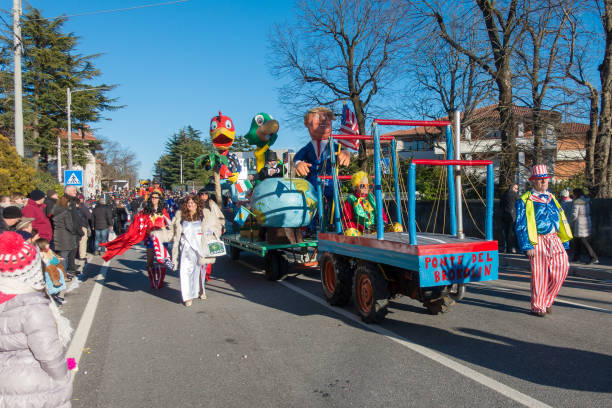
(19, 260)
(36, 195)
(12, 212)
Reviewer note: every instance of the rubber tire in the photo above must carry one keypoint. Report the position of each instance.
(461, 289)
(375, 309)
(234, 253)
(441, 305)
(275, 266)
(343, 279)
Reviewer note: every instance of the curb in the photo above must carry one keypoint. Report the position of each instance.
(598, 272)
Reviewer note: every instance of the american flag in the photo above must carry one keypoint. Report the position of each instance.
(349, 126)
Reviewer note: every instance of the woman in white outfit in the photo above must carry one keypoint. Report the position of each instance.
(193, 224)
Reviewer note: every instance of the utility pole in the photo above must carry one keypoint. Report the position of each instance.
(59, 157)
(181, 169)
(17, 77)
(68, 103)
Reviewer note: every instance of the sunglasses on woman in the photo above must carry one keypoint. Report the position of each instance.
(364, 186)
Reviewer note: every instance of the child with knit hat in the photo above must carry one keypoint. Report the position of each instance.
(33, 334)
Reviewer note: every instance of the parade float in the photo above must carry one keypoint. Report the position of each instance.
(388, 258)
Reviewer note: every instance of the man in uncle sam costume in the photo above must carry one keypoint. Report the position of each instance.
(543, 234)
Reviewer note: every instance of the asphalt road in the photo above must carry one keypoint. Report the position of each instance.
(255, 343)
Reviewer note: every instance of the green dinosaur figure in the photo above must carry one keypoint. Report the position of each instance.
(263, 135)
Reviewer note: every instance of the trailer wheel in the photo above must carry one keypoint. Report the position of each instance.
(371, 293)
(336, 279)
(234, 253)
(275, 266)
(440, 305)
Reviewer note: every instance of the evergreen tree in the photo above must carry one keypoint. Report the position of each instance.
(15, 175)
(188, 144)
(241, 144)
(50, 66)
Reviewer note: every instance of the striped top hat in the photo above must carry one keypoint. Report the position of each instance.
(539, 171)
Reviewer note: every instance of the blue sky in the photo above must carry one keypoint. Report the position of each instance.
(178, 65)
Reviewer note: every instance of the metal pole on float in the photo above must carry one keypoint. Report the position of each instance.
(458, 188)
(336, 185)
(412, 203)
(380, 228)
(451, 182)
(398, 207)
(489, 219)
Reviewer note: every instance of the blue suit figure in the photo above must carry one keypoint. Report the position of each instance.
(313, 158)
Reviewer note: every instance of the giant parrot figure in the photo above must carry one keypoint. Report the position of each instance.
(262, 134)
(222, 134)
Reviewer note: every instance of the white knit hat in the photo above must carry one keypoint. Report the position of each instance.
(19, 260)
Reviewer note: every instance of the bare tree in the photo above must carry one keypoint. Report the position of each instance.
(117, 162)
(447, 80)
(338, 50)
(599, 135)
(503, 28)
(542, 59)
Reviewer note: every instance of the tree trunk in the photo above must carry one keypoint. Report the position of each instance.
(362, 156)
(217, 186)
(590, 142)
(508, 156)
(604, 133)
(538, 154)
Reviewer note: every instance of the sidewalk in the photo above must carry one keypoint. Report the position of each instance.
(601, 271)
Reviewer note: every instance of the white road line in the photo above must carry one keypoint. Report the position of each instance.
(489, 382)
(557, 300)
(80, 335)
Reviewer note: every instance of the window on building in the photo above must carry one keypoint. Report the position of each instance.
(493, 133)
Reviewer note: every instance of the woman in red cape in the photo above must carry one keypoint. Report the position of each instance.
(151, 225)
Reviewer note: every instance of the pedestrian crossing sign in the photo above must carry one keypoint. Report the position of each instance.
(73, 178)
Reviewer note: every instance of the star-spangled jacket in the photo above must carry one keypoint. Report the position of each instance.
(547, 219)
(320, 162)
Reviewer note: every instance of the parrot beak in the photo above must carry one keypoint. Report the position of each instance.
(269, 127)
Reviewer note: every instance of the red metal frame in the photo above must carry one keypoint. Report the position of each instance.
(433, 162)
(360, 137)
(398, 122)
(339, 177)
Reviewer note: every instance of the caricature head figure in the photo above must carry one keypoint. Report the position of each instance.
(318, 121)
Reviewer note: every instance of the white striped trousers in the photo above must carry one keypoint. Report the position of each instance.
(549, 267)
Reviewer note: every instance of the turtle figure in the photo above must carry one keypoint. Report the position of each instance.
(262, 134)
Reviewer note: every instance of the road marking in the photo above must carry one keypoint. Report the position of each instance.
(466, 371)
(82, 332)
(557, 300)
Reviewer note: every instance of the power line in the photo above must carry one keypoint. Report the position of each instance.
(91, 13)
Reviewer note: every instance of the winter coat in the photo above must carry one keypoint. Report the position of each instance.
(213, 219)
(41, 223)
(102, 217)
(507, 204)
(33, 371)
(49, 204)
(581, 217)
(64, 238)
(86, 217)
(76, 218)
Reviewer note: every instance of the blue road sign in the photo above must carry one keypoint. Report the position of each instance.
(73, 178)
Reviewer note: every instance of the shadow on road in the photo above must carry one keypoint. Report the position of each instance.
(563, 367)
(542, 364)
(124, 278)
